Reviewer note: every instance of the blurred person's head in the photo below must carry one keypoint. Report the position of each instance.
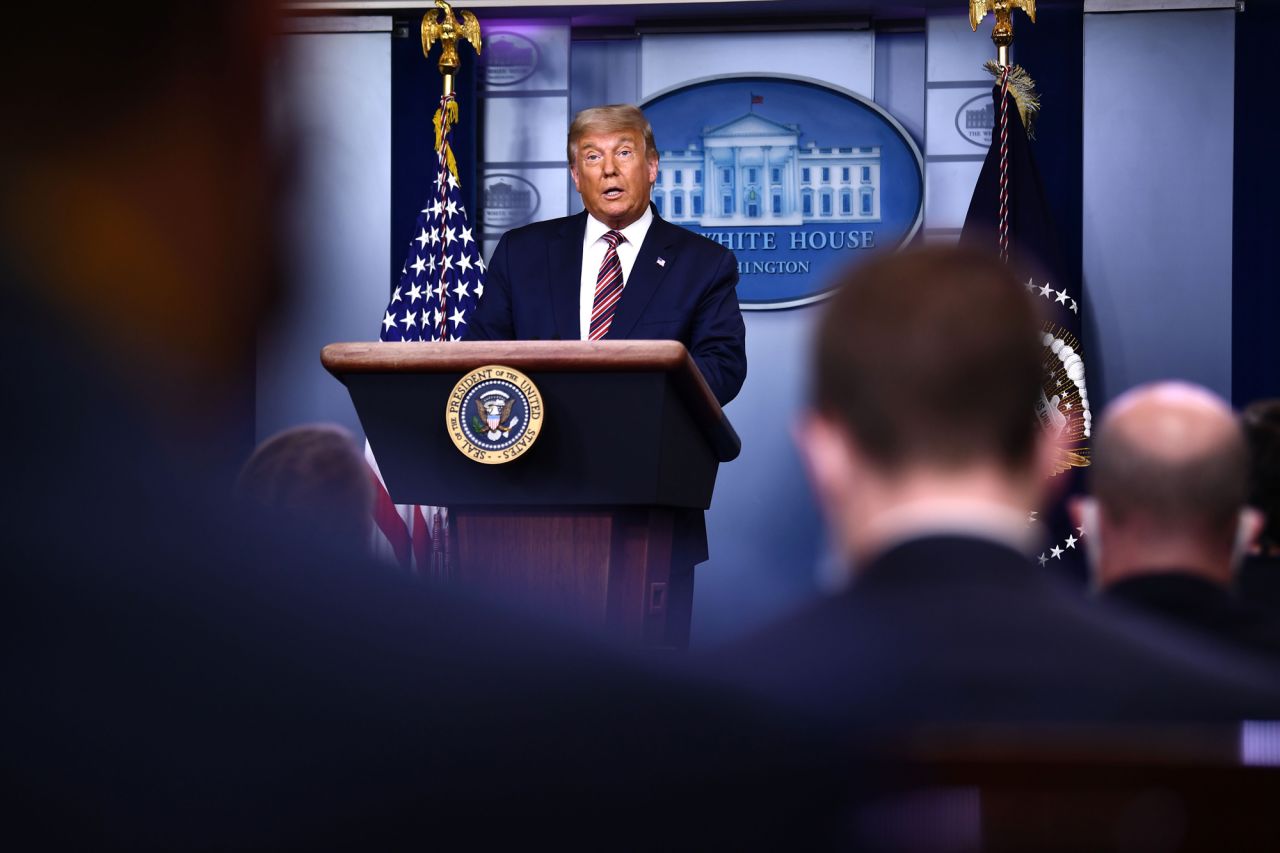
(1261, 421)
(139, 195)
(927, 371)
(1168, 485)
(315, 476)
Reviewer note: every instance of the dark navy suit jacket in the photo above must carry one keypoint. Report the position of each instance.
(681, 288)
(955, 629)
(1198, 604)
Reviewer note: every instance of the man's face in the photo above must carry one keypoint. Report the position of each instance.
(614, 175)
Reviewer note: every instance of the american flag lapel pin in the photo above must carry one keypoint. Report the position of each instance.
(662, 262)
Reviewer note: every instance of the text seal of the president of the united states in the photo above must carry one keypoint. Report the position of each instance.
(494, 414)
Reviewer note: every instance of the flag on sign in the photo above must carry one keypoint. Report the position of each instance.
(439, 284)
(1008, 214)
(756, 99)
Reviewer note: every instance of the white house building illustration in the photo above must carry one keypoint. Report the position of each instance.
(753, 171)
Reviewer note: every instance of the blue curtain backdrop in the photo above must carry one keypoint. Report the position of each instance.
(1255, 275)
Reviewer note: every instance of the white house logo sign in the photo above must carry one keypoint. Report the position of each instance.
(797, 178)
(975, 119)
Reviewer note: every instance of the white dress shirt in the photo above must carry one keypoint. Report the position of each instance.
(594, 247)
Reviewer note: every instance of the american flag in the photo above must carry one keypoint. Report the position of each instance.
(440, 282)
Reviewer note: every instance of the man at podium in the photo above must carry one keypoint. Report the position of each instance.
(617, 270)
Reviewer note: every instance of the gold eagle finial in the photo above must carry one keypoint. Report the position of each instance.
(447, 30)
(1002, 33)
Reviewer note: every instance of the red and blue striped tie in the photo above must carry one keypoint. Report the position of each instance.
(608, 287)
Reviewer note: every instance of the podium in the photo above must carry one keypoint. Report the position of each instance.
(599, 521)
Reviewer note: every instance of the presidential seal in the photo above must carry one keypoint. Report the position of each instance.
(494, 414)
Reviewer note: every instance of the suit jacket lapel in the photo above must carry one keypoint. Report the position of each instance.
(646, 276)
(564, 258)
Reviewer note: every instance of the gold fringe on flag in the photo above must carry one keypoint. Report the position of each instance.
(444, 119)
(1023, 89)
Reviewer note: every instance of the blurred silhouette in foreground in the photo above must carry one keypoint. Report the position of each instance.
(180, 675)
(1166, 524)
(315, 477)
(1259, 581)
(925, 459)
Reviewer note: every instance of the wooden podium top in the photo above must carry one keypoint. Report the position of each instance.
(628, 356)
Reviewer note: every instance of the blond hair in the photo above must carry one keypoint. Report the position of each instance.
(613, 118)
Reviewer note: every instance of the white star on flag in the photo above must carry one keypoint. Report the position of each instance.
(443, 276)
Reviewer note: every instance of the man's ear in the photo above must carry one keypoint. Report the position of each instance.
(1076, 511)
(653, 169)
(1049, 481)
(1248, 529)
(828, 457)
(573, 172)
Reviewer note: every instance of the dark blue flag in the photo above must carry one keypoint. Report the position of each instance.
(1008, 215)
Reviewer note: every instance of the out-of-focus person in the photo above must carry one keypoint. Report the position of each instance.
(1166, 524)
(177, 676)
(139, 205)
(1259, 579)
(314, 477)
(922, 448)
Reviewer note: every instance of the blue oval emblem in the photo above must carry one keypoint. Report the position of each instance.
(796, 177)
(509, 58)
(975, 118)
(509, 200)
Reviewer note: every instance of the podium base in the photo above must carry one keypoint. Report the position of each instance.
(612, 569)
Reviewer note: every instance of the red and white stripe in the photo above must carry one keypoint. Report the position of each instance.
(608, 288)
(402, 533)
(1004, 165)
